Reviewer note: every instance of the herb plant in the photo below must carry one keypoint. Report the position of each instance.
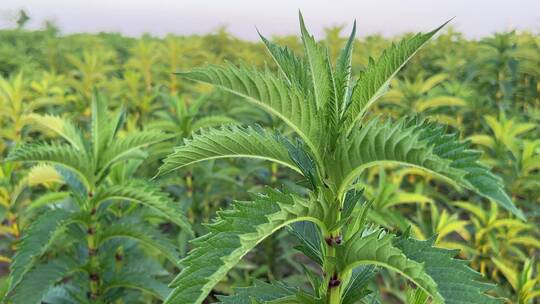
(336, 141)
(97, 245)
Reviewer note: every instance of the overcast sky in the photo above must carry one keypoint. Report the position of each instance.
(476, 18)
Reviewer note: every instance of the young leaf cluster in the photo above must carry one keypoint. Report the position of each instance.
(93, 245)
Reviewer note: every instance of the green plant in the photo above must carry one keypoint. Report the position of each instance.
(516, 158)
(91, 69)
(496, 237)
(336, 141)
(524, 280)
(86, 243)
(419, 95)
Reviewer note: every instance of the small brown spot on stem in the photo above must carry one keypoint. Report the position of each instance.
(119, 257)
(94, 277)
(334, 281)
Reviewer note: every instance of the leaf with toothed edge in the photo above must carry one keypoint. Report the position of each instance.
(377, 249)
(234, 233)
(310, 238)
(122, 147)
(356, 289)
(343, 70)
(62, 127)
(41, 278)
(146, 195)
(139, 281)
(54, 153)
(229, 142)
(267, 91)
(373, 82)
(145, 235)
(320, 74)
(293, 68)
(259, 291)
(303, 160)
(422, 144)
(456, 282)
(36, 240)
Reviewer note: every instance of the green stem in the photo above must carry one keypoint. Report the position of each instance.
(335, 295)
(334, 285)
(274, 171)
(93, 266)
(334, 277)
(189, 185)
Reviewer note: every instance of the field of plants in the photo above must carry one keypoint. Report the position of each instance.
(345, 170)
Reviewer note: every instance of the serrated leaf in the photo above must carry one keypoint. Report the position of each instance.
(36, 240)
(74, 181)
(147, 195)
(377, 249)
(58, 154)
(352, 198)
(357, 287)
(43, 174)
(121, 148)
(228, 142)
(310, 240)
(210, 121)
(100, 130)
(343, 70)
(269, 92)
(421, 144)
(62, 127)
(47, 198)
(260, 291)
(456, 282)
(144, 234)
(40, 279)
(139, 281)
(293, 68)
(375, 79)
(233, 234)
(321, 76)
(59, 294)
(303, 160)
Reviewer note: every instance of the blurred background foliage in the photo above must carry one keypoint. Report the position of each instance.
(487, 88)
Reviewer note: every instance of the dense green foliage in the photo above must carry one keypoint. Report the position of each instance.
(345, 152)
